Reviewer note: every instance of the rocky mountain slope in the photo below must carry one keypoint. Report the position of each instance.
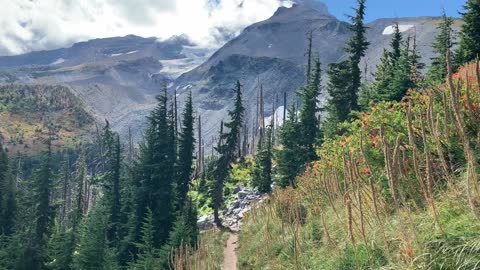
(282, 39)
(119, 77)
(29, 114)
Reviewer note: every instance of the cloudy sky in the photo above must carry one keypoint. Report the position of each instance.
(44, 24)
(27, 25)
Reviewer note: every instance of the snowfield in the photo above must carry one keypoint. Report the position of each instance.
(389, 30)
(58, 61)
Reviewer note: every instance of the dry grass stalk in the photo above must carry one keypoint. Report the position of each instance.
(472, 177)
(435, 132)
(413, 145)
(388, 166)
(477, 73)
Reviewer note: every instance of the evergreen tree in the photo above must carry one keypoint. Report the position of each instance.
(185, 230)
(383, 77)
(443, 42)
(148, 257)
(93, 251)
(398, 71)
(356, 46)
(186, 149)
(469, 45)
(339, 81)
(8, 205)
(227, 149)
(155, 172)
(81, 178)
(262, 171)
(44, 213)
(345, 77)
(289, 162)
(60, 248)
(396, 45)
(308, 114)
(402, 75)
(111, 142)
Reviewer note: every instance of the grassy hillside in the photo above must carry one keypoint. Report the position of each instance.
(398, 190)
(29, 112)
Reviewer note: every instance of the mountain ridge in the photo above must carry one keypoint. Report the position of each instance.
(120, 78)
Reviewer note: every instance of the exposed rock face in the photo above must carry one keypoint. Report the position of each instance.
(233, 215)
(117, 77)
(272, 53)
(246, 198)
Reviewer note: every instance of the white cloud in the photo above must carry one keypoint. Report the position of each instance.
(28, 25)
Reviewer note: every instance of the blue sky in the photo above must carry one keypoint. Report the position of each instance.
(397, 8)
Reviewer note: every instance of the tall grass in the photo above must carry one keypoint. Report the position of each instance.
(207, 256)
(398, 190)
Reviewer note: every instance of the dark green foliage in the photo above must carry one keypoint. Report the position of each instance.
(79, 200)
(111, 181)
(148, 257)
(184, 233)
(186, 147)
(443, 42)
(60, 250)
(8, 205)
(345, 77)
(398, 71)
(362, 258)
(289, 161)
(469, 45)
(227, 149)
(262, 172)
(357, 46)
(44, 212)
(93, 251)
(339, 82)
(154, 176)
(395, 45)
(308, 114)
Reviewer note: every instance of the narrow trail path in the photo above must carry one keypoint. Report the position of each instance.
(230, 251)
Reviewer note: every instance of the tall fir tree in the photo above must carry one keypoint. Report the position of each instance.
(227, 149)
(186, 148)
(338, 84)
(8, 204)
(148, 257)
(262, 171)
(345, 77)
(93, 251)
(356, 47)
(289, 162)
(35, 252)
(398, 71)
(469, 45)
(396, 45)
(383, 77)
(443, 42)
(111, 143)
(184, 233)
(308, 113)
(155, 182)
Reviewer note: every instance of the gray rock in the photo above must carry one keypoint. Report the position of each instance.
(236, 189)
(242, 194)
(205, 222)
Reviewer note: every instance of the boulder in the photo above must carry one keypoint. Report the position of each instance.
(242, 194)
(205, 222)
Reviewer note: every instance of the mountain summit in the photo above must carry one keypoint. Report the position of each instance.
(119, 77)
